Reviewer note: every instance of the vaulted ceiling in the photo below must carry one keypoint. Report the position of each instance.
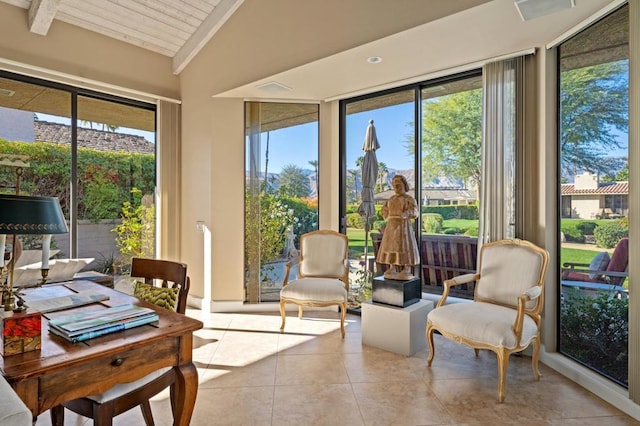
(177, 29)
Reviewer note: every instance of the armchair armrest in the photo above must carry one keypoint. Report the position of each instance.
(460, 279)
(529, 294)
(288, 267)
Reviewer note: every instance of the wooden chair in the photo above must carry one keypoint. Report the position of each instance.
(323, 274)
(123, 397)
(504, 316)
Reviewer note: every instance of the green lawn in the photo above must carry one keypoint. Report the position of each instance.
(356, 244)
(577, 255)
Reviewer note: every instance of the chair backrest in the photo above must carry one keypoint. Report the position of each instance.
(164, 273)
(323, 254)
(619, 260)
(507, 269)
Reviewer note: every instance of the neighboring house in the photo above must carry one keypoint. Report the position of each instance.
(588, 198)
(16, 125)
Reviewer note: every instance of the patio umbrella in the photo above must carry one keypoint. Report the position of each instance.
(369, 177)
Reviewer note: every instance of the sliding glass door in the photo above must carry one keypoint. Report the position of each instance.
(281, 191)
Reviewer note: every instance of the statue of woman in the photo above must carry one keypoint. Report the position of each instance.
(398, 247)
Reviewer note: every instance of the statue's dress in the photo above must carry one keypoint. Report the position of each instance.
(398, 246)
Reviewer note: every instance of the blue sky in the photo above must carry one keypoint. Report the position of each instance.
(393, 126)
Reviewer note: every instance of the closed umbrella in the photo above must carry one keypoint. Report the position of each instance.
(369, 177)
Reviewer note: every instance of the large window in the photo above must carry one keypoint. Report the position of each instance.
(443, 172)
(594, 191)
(96, 153)
(281, 191)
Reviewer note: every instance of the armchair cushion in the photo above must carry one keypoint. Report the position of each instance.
(315, 290)
(326, 258)
(507, 271)
(599, 263)
(483, 323)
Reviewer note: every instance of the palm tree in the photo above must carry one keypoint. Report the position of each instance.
(382, 171)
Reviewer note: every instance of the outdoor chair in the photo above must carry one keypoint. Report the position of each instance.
(603, 268)
(504, 315)
(323, 274)
(165, 284)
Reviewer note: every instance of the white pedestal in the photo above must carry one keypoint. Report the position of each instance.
(395, 329)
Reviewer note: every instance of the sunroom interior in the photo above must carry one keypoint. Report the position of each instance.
(287, 51)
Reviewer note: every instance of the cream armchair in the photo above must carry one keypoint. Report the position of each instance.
(323, 274)
(505, 313)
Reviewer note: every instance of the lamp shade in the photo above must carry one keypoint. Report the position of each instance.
(20, 214)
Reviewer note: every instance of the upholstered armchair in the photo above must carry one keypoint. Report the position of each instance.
(504, 315)
(323, 274)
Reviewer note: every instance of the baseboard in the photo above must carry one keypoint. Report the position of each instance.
(614, 394)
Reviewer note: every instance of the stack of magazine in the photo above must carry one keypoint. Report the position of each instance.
(83, 326)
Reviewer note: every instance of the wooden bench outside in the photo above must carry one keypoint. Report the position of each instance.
(443, 257)
(447, 256)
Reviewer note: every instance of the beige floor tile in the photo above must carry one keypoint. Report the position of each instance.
(259, 373)
(399, 403)
(377, 365)
(326, 404)
(308, 369)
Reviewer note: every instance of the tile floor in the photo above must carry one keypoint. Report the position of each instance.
(250, 374)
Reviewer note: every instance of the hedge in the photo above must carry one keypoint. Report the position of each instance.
(105, 178)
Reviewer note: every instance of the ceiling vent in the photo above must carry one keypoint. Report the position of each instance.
(6, 92)
(273, 87)
(531, 9)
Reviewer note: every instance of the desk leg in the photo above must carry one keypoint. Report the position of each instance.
(184, 397)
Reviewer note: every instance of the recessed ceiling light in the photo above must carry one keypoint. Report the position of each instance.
(374, 59)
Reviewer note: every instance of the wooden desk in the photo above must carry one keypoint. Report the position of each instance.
(62, 371)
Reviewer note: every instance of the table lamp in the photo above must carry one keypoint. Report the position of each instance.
(21, 214)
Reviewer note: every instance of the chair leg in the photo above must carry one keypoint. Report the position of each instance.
(283, 315)
(503, 365)
(146, 413)
(57, 415)
(102, 415)
(432, 349)
(343, 314)
(534, 358)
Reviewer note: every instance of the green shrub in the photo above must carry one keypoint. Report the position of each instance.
(587, 228)
(432, 223)
(136, 231)
(469, 212)
(354, 220)
(452, 231)
(595, 331)
(304, 216)
(571, 231)
(379, 224)
(608, 234)
(472, 232)
(105, 178)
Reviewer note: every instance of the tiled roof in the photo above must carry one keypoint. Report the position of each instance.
(91, 138)
(608, 188)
